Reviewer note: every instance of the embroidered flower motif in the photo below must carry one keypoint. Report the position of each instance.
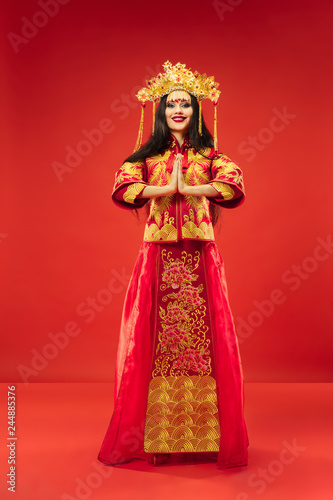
(183, 323)
(175, 314)
(172, 337)
(190, 295)
(191, 359)
(175, 274)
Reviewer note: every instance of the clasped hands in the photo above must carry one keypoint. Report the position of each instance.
(177, 185)
(177, 182)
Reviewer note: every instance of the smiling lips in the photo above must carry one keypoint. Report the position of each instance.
(179, 118)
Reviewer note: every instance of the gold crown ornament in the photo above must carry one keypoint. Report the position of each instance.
(178, 77)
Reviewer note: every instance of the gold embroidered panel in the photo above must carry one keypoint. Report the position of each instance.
(182, 415)
(182, 412)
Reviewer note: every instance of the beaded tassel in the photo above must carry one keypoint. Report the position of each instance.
(153, 118)
(215, 126)
(140, 134)
(200, 118)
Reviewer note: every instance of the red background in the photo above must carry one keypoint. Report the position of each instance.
(62, 242)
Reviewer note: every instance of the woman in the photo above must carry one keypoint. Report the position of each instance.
(179, 382)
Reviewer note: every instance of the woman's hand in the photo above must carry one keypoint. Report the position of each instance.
(173, 184)
(181, 182)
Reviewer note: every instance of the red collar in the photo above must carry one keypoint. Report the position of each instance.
(174, 146)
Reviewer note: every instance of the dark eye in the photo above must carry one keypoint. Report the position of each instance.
(170, 105)
(186, 105)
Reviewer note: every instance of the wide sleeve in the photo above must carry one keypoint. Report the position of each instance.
(129, 183)
(227, 179)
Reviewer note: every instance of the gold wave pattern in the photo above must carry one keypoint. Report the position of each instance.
(168, 232)
(224, 189)
(133, 191)
(203, 231)
(182, 415)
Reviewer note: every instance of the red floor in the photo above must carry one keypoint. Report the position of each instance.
(61, 426)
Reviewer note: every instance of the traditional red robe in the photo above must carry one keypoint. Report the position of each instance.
(179, 381)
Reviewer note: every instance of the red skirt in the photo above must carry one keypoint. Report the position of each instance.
(177, 340)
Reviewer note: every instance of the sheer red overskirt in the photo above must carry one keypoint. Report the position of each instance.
(124, 438)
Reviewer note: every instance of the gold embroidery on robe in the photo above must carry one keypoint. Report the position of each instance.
(133, 191)
(203, 232)
(192, 231)
(158, 207)
(132, 169)
(168, 232)
(224, 189)
(157, 172)
(198, 170)
(182, 413)
(197, 173)
(224, 167)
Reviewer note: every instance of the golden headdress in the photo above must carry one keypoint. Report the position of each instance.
(178, 77)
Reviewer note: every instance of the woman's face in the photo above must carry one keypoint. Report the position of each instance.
(178, 111)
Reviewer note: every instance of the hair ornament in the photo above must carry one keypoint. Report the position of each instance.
(178, 77)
